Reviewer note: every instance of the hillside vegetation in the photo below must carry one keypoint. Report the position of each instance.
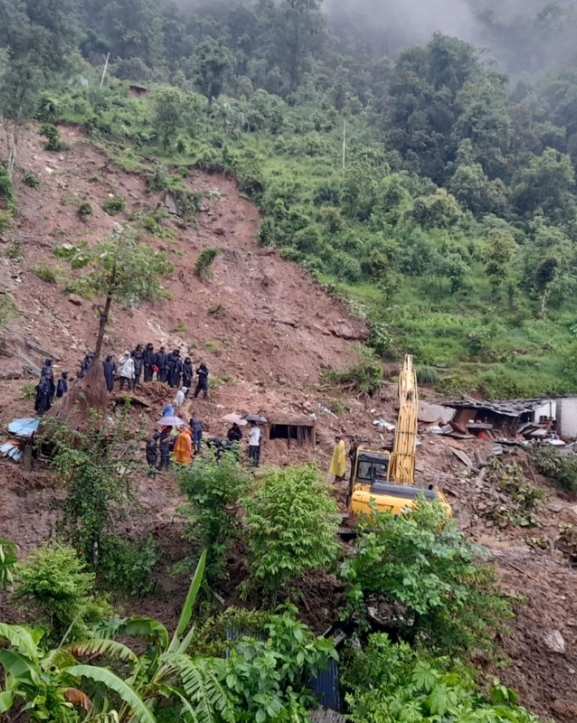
(451, 217)
(428, 191)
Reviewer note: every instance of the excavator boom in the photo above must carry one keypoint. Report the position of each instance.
(402, 468)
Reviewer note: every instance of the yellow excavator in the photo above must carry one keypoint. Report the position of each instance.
(384, 479)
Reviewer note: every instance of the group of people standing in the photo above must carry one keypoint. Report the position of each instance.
(146, 363)
(47, 388)
(183, 445)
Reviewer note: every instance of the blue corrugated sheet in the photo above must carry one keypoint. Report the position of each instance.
(326, 687)
(23, 427)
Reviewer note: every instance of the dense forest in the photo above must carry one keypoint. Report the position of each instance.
(450, 218)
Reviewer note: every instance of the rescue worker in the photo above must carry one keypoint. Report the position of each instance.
(87, 363)
(62, 387)
(138, 359)
(165, 445)
(149, 359)
(197, 430)
(43, 398)
(187, 373)
(234, 434)
(161, 362)
(338, 466)
(152, 452)
(202, 384)
(48, 371)
(174, 363)
(109, 368)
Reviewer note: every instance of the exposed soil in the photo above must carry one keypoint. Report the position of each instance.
(266, 329)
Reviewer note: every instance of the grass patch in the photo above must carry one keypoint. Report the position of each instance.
(45, 273)
(114, 205)
(203, 264)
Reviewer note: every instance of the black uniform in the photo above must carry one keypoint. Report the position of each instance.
(138, 358)
(152, 451)
(62, 387)
(202, 384)
(43, 398)
(165, 445)
(161, 361)
(48, 372)
(87, 363)
(234, 434)
(187, 373)
(109, 368)
(174, 369)
(149, 359)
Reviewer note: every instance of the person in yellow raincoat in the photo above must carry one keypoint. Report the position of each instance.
(339, 461)
(182, 451)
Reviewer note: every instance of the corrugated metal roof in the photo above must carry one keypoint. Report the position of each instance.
(325, 687)
(505, 407)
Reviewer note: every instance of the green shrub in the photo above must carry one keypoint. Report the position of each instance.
(387, 679)
(427, 375)
(54, 579)
(127, 565)
(28, 392)
(213, 490)
(202, 266)
(363, 378)
(8, 308)
(52, 134)
(5, 221)
(152, 226)
(84, 211)
(560, 469)
(45, 273)
(32, 180)
(159, 181)
(423, 577)
(292, 523)
(6, 189)
(114, 205)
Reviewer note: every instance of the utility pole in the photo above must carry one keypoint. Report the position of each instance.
(344, 145)
(104, 71)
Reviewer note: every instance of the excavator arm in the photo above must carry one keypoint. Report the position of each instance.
(402, 466)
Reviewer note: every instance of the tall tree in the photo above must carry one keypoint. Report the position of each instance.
(118, 269)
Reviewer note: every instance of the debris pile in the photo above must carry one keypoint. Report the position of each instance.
(521, 421)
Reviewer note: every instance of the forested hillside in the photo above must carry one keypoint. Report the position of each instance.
(293, 196)
(428, 186)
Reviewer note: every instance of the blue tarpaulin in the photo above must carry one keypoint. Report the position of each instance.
(11, 450)
(24, 428)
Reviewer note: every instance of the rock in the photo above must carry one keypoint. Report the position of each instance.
(555, 642)
(342, 330)
(74, 299)
(463, 456)
(431, 413)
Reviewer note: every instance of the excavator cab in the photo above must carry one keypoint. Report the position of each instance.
(384, 479)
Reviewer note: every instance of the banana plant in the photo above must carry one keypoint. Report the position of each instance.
(166, 671)
(7, 563)
(44, 684)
